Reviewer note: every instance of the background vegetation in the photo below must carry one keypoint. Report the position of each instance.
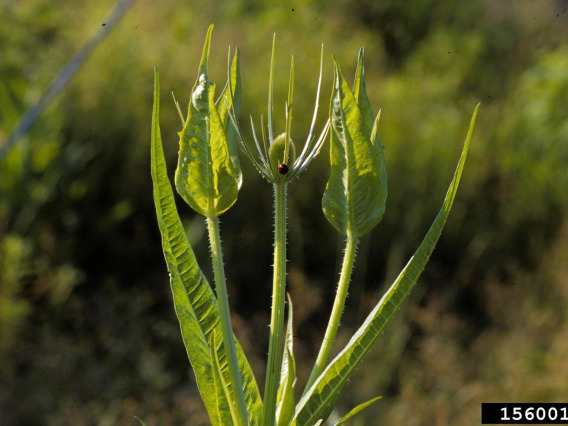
(88, 335)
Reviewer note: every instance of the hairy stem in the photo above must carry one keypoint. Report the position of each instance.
(225, 315)
(275, 345)
(337, 311)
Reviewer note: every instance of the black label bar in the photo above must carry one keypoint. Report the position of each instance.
(511, 413)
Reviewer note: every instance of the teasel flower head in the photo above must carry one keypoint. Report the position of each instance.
(275, 157)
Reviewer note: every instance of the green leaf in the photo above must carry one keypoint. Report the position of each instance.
(356, 410)
(140, 420)
(285, 398)
(195, 303)
(360, 93)
(320, 399)
(173, 242)
(226, 102)
(206, 177)
(223, 404)
(355, 195)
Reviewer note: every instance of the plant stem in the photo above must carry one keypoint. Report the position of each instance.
(338, 305)
(275, 345)
(225, 315)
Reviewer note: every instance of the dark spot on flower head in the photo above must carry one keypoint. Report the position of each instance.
(283, 169)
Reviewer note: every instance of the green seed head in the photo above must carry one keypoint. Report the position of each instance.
(277, 152)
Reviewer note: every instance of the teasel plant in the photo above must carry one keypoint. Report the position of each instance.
(276, 160)
(208, 177)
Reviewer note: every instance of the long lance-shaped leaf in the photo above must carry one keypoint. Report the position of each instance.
(356, 411)
(140, 420)
(355, 194)
(320, 399)
(231, 101)
(221, 386)
(285, 398)
(360, 93)
(206, 177)
(194, 300)
(174, 244)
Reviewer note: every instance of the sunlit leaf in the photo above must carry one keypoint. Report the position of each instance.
(320, 399)
(370, 121)
(195, 303)
(227, 102)
(285, 398)
(360, 94)
(224, 405)
(206, 178)
(140, 420)
(355, 411)
(355, 194)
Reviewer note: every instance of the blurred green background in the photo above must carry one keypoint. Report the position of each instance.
(88, 334)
